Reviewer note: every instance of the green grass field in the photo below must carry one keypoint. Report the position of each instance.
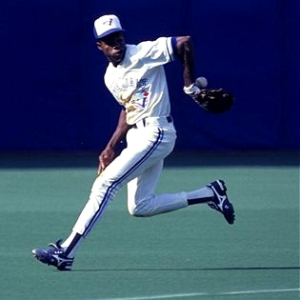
(188, 254)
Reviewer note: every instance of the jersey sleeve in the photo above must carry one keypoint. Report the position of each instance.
(158, 52)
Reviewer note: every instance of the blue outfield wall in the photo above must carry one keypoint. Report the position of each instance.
(52, 91)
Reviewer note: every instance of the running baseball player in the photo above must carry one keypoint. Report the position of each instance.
(136, 78)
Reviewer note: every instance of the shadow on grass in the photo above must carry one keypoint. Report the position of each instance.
(188, 269)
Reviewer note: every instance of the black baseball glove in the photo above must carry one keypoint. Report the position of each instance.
(214, 100)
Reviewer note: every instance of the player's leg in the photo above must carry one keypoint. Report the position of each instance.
(144, 202)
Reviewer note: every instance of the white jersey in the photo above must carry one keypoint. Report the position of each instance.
(139, 81)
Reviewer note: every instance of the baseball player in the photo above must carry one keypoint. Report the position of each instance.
(136, 78)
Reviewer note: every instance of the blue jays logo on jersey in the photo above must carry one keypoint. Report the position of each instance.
(133, 93)
(141, 96)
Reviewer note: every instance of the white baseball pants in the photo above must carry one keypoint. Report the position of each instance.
(139, 166)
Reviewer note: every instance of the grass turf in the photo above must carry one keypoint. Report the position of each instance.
(187, 254)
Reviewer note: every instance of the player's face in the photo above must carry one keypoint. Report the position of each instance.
(113, 47)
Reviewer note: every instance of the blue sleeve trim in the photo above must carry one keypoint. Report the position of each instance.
(174, 46)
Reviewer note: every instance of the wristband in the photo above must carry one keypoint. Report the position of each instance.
(192, 90)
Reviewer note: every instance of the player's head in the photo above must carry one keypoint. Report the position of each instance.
(109, 38)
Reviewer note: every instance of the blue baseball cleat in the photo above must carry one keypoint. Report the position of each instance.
(220, 201)
(54, 256)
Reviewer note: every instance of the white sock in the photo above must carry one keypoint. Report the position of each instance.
(75, 239)
(68, 240)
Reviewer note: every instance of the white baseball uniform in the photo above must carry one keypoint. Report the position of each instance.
(139, 84)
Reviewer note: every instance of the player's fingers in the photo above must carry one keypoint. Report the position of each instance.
(104, 161)
(101, 164)
(101, 167)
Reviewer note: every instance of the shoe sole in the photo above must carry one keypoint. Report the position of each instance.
(228, 212)
(65, 266)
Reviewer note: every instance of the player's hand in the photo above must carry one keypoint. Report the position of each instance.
(105, 158)
(195, 88)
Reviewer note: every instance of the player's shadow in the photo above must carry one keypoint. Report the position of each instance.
(188, 269)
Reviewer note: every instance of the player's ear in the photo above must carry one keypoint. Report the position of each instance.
(99, 45)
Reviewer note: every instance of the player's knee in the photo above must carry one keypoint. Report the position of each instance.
(136, 212)
(141, 209)
(101, 186)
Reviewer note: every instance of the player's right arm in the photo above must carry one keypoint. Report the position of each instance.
(185, 52)
(108, 154)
